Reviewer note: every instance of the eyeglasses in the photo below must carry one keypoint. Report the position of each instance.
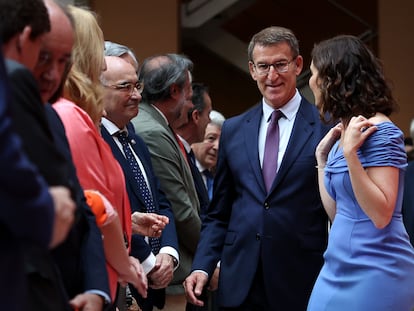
(128, 87)
(280, 66)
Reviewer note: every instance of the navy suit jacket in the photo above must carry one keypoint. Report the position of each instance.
(199, 184)
(46, 291)
(139, 248)
(51, 289)
(285, 230)
(26, 208)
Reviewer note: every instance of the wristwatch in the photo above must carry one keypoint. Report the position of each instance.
(175, 261)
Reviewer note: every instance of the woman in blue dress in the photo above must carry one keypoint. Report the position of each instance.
(369, 262)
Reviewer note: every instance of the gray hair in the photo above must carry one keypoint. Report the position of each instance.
(160, 72)
(273, 35)
(116, 49)
(216, 118)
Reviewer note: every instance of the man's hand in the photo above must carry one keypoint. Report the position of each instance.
(193, 286)
(162, 273)
(148, 224)
(87, 302)
(64, 214)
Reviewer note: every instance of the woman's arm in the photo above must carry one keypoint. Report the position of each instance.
(321, 154)
(375, 188)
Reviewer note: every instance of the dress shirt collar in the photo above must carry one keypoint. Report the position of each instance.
(185, 143)
(111, 127)
(200, 167)
(289, 110)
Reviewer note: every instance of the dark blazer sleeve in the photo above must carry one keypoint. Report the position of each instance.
(27, 206)
(83, 250)
(31, 124)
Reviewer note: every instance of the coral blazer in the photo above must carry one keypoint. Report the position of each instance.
(96, 167)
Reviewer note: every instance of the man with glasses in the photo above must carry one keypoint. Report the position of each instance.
(266, 222)
(81, 258)
(159, 257)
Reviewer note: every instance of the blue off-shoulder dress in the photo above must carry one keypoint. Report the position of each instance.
(365, 268)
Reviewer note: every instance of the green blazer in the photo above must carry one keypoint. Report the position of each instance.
(176, 181)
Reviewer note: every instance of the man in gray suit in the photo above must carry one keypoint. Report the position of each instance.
(166, 99)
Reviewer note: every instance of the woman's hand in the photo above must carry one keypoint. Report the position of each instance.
(357, 131)
(136, 276)
(325, 145)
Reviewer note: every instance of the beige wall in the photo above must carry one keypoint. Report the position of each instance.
(396, 50)
(151, 27)
(148, 27)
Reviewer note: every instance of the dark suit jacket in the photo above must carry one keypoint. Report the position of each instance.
(284, 231)
(26, 208)
(199, 184)
(81, 257)
(46, 291)
(139, 248)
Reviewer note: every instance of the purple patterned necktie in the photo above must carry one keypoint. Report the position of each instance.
(271, 150)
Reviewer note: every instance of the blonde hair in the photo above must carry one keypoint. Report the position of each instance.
(82, 85)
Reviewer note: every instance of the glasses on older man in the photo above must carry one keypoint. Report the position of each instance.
(128, 87)
(281, 66)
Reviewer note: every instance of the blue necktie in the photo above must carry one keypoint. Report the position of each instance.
(209, 183)
(271, 150)
(141, 184)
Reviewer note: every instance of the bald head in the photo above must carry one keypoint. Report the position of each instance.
(55, 53)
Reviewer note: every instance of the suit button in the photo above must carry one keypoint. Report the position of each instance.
(266, 205)
(257, 236)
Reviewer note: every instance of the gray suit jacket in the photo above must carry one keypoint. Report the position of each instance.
(176, 181)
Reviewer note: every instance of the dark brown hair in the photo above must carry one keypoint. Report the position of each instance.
(351, 80)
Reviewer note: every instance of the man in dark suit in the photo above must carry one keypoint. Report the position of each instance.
(270, 236)
(190, 133)
(80, 258)
(23, 25)
(27, 212)
(193, 132)
(121, 99)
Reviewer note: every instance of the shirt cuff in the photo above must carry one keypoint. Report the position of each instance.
(149, 263)
(98, 292)
(172, 252)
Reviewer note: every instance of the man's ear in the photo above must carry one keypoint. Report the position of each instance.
(195, 115)
(252, 71)
(175, 91)
(23, 39)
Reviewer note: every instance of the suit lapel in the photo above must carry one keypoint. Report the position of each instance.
(251, 136)
(302, 130)
(124, 164)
